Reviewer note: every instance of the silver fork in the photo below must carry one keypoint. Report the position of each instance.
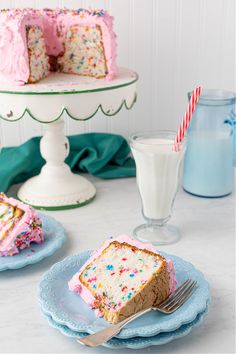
(170, 305)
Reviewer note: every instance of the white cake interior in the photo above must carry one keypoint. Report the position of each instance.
(84, 52)
(119, 273)
(38, 59)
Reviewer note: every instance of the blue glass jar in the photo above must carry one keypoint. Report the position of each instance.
(208, 165)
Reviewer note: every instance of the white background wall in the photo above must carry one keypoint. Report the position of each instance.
(172, 44)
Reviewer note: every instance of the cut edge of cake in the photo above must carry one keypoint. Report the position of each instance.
(24, 229)
(75, 60)
(39, 66)
(148, 296)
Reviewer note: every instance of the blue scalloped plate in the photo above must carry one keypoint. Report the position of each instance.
(54, 237)
(68, 309)
(136, 342)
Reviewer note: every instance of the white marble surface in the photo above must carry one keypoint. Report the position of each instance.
(208, 241)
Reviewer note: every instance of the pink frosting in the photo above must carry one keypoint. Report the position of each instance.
(53, 42)
(7, 245)
(14, 62)
(76, 286)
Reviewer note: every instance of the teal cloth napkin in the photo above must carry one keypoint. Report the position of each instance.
(100, 154)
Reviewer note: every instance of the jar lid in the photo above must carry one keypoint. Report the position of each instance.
(214, 97)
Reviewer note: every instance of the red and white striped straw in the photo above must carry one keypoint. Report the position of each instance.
(187, 117)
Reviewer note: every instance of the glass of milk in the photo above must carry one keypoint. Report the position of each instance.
(158, 174)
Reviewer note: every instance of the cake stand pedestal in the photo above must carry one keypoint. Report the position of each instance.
(56, 187)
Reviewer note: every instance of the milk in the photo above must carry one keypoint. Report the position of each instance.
(208, 165)
(157, 167)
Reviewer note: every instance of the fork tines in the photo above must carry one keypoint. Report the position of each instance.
(182, 293)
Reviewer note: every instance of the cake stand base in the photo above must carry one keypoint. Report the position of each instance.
(56, 187)
(66, 191)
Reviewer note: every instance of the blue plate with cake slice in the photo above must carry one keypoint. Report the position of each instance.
(54, 237)
(67, 308)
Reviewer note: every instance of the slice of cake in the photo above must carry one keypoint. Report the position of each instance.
(19, 226)
(34, 42)
(123, 277)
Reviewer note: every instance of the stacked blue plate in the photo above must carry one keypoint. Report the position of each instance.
(67, 312)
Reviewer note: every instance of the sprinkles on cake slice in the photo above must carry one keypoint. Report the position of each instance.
(19, 226)
(123, 277)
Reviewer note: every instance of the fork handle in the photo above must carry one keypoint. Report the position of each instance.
(104, 335)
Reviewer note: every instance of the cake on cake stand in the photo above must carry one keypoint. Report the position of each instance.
(56, 187)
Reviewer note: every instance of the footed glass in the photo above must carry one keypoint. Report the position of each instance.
(158, 172)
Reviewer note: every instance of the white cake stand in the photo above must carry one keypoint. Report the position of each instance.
(56, 187)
